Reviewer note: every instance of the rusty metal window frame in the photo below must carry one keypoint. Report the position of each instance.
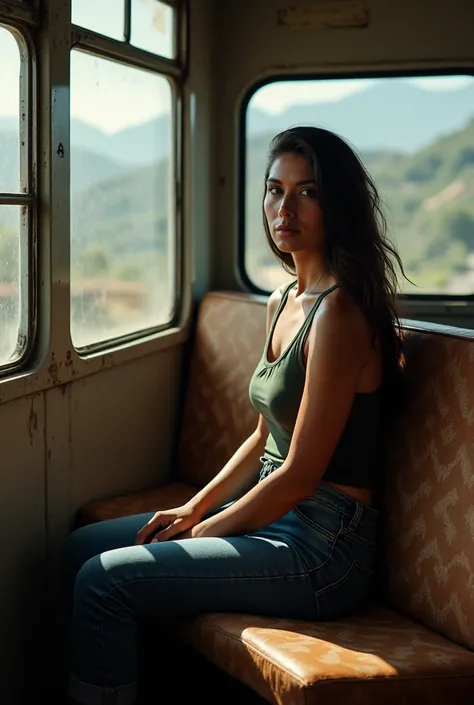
(20, 22)
(50, 359)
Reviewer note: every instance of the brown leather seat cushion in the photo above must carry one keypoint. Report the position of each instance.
(375, 658)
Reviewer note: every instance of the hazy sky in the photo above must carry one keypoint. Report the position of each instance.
(276, 97)
(103, 93)
(112, 97)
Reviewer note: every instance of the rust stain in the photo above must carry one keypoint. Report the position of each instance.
(53, 370)
(32, 423)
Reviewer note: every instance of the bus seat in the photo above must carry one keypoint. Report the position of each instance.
(414, 641)
(167, 496)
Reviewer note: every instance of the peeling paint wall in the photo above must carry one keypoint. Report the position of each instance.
(22, 489)
(102, 435)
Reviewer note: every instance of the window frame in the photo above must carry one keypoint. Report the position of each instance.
(24, 11)
(26, 197)
(421, 72)
(177, 35)
(53, 361)
(126, 54)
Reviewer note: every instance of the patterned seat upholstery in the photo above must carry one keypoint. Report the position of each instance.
(428, 539)
(173, 494)
(377, 657)
(416, 643)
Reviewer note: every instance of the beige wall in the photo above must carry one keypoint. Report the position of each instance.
(104, 434)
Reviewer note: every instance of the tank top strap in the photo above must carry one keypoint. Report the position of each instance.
(280, 306)
(304, 330)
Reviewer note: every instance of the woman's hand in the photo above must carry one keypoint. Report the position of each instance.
(167, 524)
(199, 530)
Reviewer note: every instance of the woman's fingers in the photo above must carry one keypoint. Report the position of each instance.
(155, 523)
(166, 534)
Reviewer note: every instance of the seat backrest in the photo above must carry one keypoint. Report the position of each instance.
(428, 486)
(218, 415)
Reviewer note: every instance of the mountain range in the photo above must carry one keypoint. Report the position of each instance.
(391, 115)
(418, 145)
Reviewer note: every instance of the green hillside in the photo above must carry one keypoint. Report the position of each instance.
(120, 225)
(429, 205)
(120, 228)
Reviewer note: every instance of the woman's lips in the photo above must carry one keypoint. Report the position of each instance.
(286, 232)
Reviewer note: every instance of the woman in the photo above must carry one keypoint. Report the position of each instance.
(301, 542)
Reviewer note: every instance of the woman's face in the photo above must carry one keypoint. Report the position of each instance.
(291, 207)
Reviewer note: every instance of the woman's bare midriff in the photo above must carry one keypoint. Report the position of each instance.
(361, 495)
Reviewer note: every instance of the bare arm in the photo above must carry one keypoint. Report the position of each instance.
(240, 471)
(338, 348)
(235, 478)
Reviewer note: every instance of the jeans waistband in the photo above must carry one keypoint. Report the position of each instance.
(331, 496)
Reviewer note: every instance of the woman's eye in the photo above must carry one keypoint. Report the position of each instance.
(274, 190)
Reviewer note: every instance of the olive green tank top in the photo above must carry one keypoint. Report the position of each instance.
(276, 389)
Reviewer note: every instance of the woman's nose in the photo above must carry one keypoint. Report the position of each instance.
(286, 208)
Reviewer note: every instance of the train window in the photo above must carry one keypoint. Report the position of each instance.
(122, 215)
(15, 203)
(147, 24)
(110, 20)
(153, 27)
(415, 135)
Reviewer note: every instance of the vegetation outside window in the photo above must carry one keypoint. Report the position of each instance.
(122, 214)
(416, 137)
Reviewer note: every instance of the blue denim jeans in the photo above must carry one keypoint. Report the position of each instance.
(315, 563)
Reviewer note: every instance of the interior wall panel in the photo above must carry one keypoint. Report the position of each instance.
(22, 577)
(121, 427)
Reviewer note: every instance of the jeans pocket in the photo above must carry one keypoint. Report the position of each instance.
(364, 536)
(319, 517)
(344, 596)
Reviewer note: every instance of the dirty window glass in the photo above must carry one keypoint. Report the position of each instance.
(9, 113)
(103, 16)
(122, 214)
(14, 268)
(153, 27)
(13, 334)
(415, 135)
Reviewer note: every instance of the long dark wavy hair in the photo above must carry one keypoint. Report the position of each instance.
(359, 253)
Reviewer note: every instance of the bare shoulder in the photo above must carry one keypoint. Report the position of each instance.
(275, 297)
(341, 318)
